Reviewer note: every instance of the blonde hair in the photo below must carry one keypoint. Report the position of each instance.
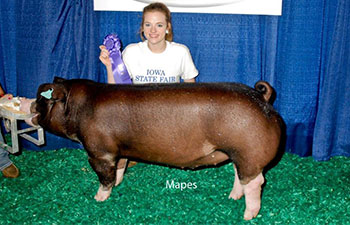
(158, 7)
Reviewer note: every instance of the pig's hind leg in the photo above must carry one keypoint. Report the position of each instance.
(250, 188)
(252, 193)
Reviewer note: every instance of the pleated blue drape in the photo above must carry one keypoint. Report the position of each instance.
(332, 123)
(304, 54)
(8, 46)
(52, 38)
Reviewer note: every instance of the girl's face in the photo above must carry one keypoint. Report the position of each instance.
(154, 27)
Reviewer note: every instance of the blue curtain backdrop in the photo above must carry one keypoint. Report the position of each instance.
(304, 54)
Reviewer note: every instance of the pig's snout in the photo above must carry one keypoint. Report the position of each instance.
(33, 107)
(25, 105)
(34, 119)
(28, 106)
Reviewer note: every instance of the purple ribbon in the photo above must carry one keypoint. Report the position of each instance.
(120, 73)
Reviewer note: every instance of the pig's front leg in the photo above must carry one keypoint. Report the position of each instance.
(237, 190)
(252, 192)
(120, 171)
(106, 171)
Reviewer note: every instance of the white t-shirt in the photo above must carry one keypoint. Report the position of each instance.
(173, 63)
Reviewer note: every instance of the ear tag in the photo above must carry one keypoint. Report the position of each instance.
(47, 94)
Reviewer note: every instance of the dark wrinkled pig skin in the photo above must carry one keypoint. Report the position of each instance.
(186, 125)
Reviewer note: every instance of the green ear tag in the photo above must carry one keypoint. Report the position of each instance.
(47, 94)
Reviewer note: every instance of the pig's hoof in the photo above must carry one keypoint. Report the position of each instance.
(120, 176)
(101, 198)
(236, 193)
(102, 195)
(250, 214)
(118, 182)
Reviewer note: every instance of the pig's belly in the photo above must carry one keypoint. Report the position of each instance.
(212, 159)
(184, 159)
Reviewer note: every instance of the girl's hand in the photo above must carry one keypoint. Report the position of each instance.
(104, 56)
(7, 96)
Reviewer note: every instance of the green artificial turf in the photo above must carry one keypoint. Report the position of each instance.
(58, 187)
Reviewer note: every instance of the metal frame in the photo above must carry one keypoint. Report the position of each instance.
(12, 116)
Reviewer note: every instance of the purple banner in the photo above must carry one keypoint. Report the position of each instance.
(120, 73)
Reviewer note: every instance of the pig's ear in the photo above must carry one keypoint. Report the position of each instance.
(57, 80)
(44, 91)
(54, 92)
(59, 92)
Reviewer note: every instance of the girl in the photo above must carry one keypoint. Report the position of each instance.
(157, 59)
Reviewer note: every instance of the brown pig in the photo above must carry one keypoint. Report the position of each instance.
(187, 125)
